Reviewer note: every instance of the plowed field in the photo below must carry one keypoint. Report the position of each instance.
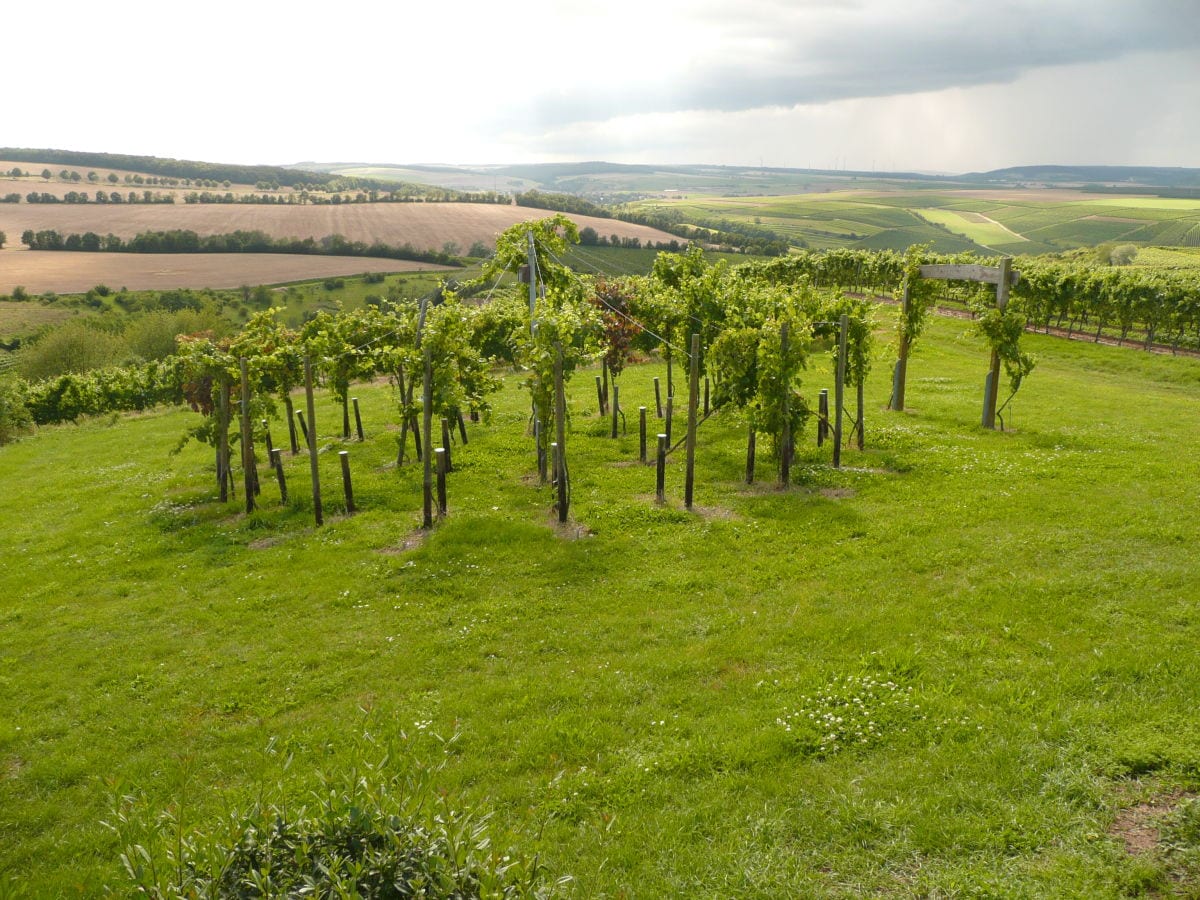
(67, 273)
(427, 226)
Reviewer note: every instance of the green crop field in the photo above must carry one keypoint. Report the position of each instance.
(972, 226)
(1168, 258)
(963, 665)
(22, 317)
(894, 219)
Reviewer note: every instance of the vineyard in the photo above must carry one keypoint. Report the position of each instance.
(809, 645)
(628, 697)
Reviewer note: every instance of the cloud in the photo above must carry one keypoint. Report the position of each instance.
(1137, 110)
(767, 53)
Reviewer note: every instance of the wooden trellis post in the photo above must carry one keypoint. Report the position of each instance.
(1004, 278)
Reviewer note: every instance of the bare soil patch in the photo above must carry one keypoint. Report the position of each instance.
(837, 493)
(715, 512)
(412, 542)
(1137, 826)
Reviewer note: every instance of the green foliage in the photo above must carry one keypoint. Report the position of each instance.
(73, 347)
(780, 364)
(551, 237)
(15, 417)
(921, 294)
(753, 368)
(562, 328)
(498, 327)
(342, 346)
(462, 375)
(68, 398)
(1003, 331)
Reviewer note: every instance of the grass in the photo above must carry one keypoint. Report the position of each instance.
(19, 318)
(617, 690)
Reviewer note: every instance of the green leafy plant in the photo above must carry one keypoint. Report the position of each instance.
(377, 829)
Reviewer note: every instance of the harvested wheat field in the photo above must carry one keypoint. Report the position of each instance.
(426, 226)
(67, 273)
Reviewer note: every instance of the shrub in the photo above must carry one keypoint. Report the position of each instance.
(14, 414)
(368, 832)
(71, 347)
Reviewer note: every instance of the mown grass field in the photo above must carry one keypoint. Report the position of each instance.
(1014, 612)
(1040, 221)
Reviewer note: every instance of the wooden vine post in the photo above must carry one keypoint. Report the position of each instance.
(641, 434)
(311, 433)
(615, 407)
(785, 455)
(347, 487)
(291, 418)
(427, 455)
(560, 426)
(223, 438)
(992, 385)
(247, 445)
(900, 373)
(839, 391)
(693, 404)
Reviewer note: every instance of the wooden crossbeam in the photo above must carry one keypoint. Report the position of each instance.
(987, 274)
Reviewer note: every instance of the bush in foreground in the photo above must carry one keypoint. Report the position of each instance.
(369, 832)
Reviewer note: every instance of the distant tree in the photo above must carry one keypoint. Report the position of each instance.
(451, 248)
(47, 174)
(478, 250)
(93, 177)
(112, 178)
(3, 238)
(16, 172)
(75, 176)
(1123, 255)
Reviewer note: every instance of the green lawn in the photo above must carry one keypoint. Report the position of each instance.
(1009, 619)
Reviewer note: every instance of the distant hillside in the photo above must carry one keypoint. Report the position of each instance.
(194, 169)
(1094, 176)
(618, 182)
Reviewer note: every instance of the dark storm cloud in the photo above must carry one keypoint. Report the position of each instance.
(784, 54)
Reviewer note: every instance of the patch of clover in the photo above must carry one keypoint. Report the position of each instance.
(850, 712)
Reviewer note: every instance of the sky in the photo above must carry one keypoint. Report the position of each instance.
(886, 85)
